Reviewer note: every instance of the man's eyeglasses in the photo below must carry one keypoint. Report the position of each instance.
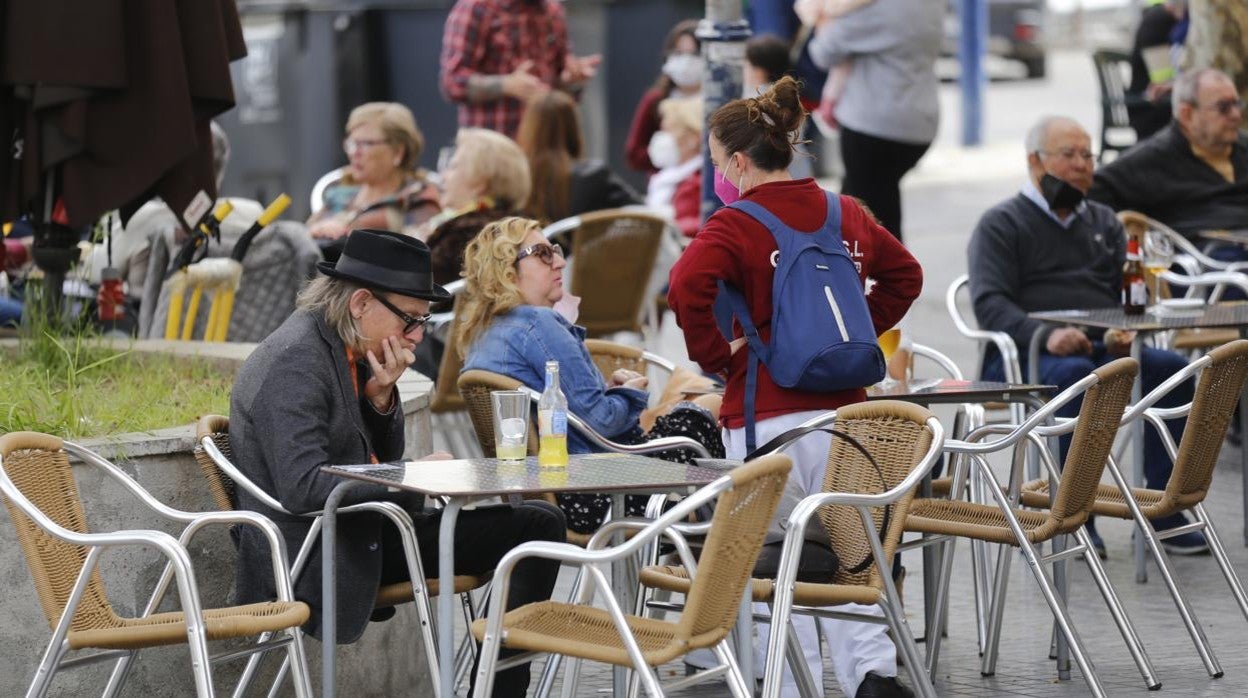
(1224, 106)
(410, 323)
(1071, 154)
(350, 145)
(542, 251)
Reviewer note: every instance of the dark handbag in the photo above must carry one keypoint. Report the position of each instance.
(818, 563)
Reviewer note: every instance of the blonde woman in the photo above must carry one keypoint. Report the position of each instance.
(514, 279)
(380, 187)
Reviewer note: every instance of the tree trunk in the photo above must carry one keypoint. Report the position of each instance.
(1218, 38)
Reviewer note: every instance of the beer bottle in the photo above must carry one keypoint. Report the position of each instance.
(1134, 288)
(552, 422)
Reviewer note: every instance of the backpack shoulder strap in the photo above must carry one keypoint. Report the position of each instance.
(761, 214)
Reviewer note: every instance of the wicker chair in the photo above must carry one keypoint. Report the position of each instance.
(42, 498)
(450, 417)
(1105, 394)
(747, 499)
(1222, 372)
(905, 440)
(612, 255)
(610, 356)
(212, 453)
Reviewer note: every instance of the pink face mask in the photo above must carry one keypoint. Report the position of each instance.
(725, 190)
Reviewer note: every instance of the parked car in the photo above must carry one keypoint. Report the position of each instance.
(1015, 32)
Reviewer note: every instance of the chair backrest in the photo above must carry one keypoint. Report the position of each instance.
(958, 294)
(39, 468)
(1090, 444)
(1113, 73)
(613, 255)
(732, 545)
(611, 356)
(317, 199)
(220, 486)
(1213, 406)
(897, 436)
(446, 397)
(475, 387)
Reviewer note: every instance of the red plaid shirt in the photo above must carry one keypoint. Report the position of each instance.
(492, 37)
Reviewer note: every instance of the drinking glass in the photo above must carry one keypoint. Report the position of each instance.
(889, 342)
(511, 424)
(1158, 254)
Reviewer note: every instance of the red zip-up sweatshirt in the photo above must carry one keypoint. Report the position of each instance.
(738, 249)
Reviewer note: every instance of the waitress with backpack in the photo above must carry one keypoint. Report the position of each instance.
(824, 330)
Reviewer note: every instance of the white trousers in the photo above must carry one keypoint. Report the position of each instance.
(855, 648)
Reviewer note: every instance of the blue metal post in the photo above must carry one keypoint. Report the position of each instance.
(972, 40)
(723, 33)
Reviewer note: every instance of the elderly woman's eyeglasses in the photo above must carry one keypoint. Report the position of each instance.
(410, 323)
(350, 145)
(542, 251)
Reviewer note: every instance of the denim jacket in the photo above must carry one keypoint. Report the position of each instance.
(520, 342)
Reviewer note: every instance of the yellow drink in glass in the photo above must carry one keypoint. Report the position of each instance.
(889, 341)
(510, 451)
(552, 451)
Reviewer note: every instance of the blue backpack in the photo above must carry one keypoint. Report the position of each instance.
(822, 337)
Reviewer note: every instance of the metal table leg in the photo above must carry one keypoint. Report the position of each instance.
(446, 584)
(1137, 456)
(329, 585)
(623, 591)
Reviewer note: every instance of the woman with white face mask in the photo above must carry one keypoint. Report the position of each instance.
(675, 191)
(681, 76)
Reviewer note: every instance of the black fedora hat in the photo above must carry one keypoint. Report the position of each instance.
(388, 261)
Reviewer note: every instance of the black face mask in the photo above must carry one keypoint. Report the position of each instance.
(1060, 194)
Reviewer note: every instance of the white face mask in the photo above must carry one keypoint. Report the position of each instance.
(663, 150)
(685, 69)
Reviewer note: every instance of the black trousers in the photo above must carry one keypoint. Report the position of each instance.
(482, 537)
(873, 170)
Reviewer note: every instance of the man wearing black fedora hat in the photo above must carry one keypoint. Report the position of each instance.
(321, 391)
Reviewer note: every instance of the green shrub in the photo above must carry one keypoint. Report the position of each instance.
(68, 382)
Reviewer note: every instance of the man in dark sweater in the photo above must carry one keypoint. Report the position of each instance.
(1049, 249)
(1193, 174)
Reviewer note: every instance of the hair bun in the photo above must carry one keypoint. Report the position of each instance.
(781, 106)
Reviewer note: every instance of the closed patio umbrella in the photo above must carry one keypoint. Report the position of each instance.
(105, 104)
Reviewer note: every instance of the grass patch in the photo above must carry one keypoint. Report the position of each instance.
(73, 387)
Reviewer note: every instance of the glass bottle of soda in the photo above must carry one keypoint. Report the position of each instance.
(552, 422)
(1134, 287)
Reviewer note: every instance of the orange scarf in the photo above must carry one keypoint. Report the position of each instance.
(355, 384)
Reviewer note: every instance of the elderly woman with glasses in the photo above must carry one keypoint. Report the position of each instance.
(510, 324)
(380, 187)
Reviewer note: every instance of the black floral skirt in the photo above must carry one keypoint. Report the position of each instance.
(586, 512)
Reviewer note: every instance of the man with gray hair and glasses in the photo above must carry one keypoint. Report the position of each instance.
(1193, 174)
(1047, 248)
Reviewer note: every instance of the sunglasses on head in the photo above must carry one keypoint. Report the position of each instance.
(543, 251)
(410, 323)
